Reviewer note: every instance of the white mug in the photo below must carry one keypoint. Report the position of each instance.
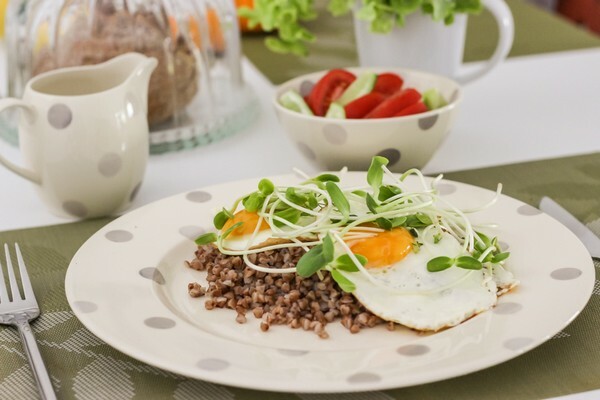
(432, 46)
(83, 134)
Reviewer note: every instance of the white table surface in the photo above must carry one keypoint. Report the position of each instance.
(530, 108)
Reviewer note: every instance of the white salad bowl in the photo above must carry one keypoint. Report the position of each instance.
(408, 141)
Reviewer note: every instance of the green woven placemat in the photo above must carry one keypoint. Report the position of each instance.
(536, 31)
(83, 367)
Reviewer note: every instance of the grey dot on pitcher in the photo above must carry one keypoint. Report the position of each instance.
(135, 191)
(85, 307)
(306, 88)
(392, 155)
(110, 164)
(191, 232)
(566, 274)
(528, 210)
(153, 274)
(292, 353)
(119, 236)
(213, 364)
(306, 151)
(364, 377)
(413, 350)
(428, 122)
(517, 343)
(159, 323)
(198, 196)
(445, 189)
(507, 308)
(75, 208)
(60, 116)
(335, 134)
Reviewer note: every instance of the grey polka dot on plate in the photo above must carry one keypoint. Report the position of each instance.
(445, 189)
(60, 116)
(428, 122)
(364, 377)
(306, 88)
(110, 164)
(191, 232)
(565, 274)
(528, 210)
(75, 208)
(198, 196)
(159, 323)
(85, 307)
(213, 364)
(413, 350)
(119, 236)
(293, 353)
(392, 155)
(335, 134)
(507, 308)
(153, 274)
(517, 343)
(135, 191)
(306, 151)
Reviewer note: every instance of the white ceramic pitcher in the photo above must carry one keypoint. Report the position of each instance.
(83, 134)
(432, 46)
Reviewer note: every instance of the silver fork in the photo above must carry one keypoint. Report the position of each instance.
(18, 312)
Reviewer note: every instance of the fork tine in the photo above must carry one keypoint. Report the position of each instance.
(3, 291)
(27, 289)
(14, 288)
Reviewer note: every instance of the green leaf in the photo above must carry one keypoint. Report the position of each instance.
(221, 218)
(344, 283)
(298, 199)
(375, 172)
(371, 203)
(339, 7)
(437, 238)
(289, 214)
(439, 264)
(384, 223)
(328, 248)
(399, 221)
(387, 192)
(339, 199)
(316, 258)
(500, 257)
(327, 178)
(424, 219)
(207, 238)
(360, 193)
(345, 263)
(312, 201)
(468, 262)
(254, 202)
(266, 187)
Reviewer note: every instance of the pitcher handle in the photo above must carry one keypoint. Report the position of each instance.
(506, 28)
(29, 113)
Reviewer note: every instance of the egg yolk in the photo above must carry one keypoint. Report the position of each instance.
(384, 249)
(249, 219)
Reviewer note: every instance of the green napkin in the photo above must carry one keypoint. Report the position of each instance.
(83, 367)
(536, 31)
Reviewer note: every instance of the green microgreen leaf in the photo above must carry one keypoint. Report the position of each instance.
(207, 238)
(221, 218)
(254, 202)
(360, 193)
(327, 178)
(424, 219)
(328, 248)
(316, 258)
(294, 197)
(439, 264)
(398, 221)
(437, 238)
(289, 214)
(344, 283)
(388, 191)
(384, 223)
(371, 203)
(345, 263)
(312, 201)
(375, 172)
(500, 257)
(468, 262)
(487, 242)
(339, 199)
(266, 187)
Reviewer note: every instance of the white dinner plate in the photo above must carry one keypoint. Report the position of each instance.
(128, 285)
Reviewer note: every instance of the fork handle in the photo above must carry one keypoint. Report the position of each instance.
(40, 373)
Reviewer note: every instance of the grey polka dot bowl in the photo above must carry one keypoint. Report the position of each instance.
(408, 141)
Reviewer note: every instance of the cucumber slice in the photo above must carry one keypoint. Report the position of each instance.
(364, 84)
(293, 101)
(433, 99)
(336, 110)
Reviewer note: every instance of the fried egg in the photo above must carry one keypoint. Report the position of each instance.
(404, 290)
(239, 238)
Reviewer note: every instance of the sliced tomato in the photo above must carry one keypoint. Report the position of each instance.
(328, 89)
(388, 83)
(416, 108)
(363, 105)
(395, 103)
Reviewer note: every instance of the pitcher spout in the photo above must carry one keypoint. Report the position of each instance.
(137, 68)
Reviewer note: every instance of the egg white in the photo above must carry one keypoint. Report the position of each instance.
(239, 243)
(428, 301)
